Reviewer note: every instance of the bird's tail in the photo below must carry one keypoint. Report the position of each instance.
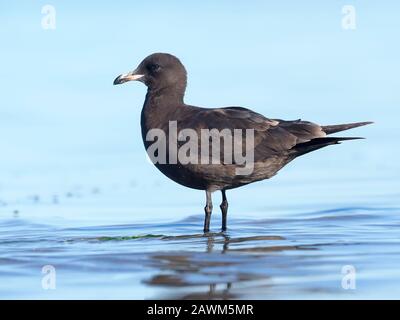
(342, 127)
(318, 143)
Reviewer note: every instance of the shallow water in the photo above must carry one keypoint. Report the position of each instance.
(107, 243)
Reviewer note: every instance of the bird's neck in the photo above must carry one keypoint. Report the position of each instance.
(160, 107)
(162, 100)
(170, 94)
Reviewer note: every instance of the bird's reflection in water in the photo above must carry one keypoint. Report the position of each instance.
(212, 292)
(211, 241)
(217, 267)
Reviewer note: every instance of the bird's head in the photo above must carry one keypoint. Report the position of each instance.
(157, 71)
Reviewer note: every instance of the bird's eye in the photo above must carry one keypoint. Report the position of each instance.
(154, 67)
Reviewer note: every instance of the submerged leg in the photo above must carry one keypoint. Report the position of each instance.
(208, 210)
(224, 209)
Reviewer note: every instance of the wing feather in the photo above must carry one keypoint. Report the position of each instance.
(271, 136)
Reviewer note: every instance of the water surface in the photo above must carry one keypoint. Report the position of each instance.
(104, 244)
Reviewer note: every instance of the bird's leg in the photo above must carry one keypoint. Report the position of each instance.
(224, 209)
(208, 210)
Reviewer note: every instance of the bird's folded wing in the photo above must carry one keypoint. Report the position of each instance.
(271, 136)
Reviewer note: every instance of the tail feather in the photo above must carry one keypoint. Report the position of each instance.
(342, 127)
(318, 143)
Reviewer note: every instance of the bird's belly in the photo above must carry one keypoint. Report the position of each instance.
(218, 176)
(184, 175)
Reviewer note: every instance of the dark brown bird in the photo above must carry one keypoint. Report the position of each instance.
(275, 142)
